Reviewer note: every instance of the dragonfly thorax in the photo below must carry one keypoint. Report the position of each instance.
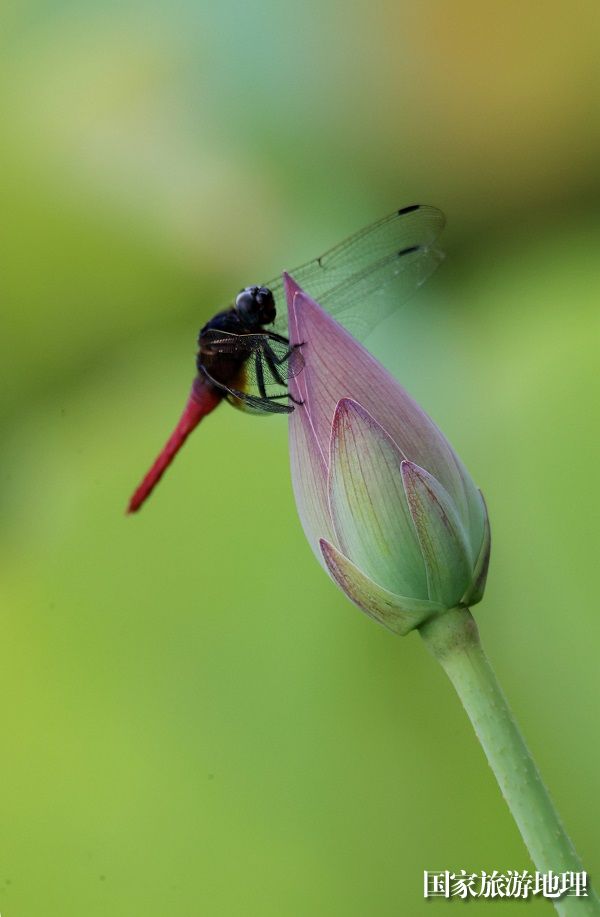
(256, 306)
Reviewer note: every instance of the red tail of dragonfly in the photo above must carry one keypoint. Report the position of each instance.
(202, 400)
(360, 282)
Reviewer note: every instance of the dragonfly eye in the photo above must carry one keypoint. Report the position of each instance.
(256, 305)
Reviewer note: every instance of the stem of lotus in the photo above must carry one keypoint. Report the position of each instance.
(453, 639)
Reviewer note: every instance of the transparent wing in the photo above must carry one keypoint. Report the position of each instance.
(365, 278)
(265, 366)
(276, 359)
(254, 404)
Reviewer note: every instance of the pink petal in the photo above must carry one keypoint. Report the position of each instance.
(370, 513)
(396, 612)
(309, 480)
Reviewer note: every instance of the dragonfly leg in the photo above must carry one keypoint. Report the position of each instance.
(273, 336)
(283, 340)
(273, 362)
(260, 376)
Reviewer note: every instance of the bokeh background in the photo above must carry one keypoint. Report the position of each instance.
(195, 721)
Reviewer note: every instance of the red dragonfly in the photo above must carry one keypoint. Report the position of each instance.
(244, 355)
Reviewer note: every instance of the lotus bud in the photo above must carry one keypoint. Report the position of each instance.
(386, 504)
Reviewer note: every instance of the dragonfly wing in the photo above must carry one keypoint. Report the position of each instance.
(253, 404)
(362, 302)
(277, 357)
(265, 366)
(363, 279)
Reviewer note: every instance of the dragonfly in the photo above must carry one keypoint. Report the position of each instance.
(244, 355)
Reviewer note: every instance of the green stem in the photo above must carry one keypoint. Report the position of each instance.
(453, 638)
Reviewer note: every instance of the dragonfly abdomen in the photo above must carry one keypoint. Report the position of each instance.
(203, 399)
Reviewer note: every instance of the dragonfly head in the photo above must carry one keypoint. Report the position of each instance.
(256, 306)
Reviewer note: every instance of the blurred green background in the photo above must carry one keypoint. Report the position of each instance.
(195, 721)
